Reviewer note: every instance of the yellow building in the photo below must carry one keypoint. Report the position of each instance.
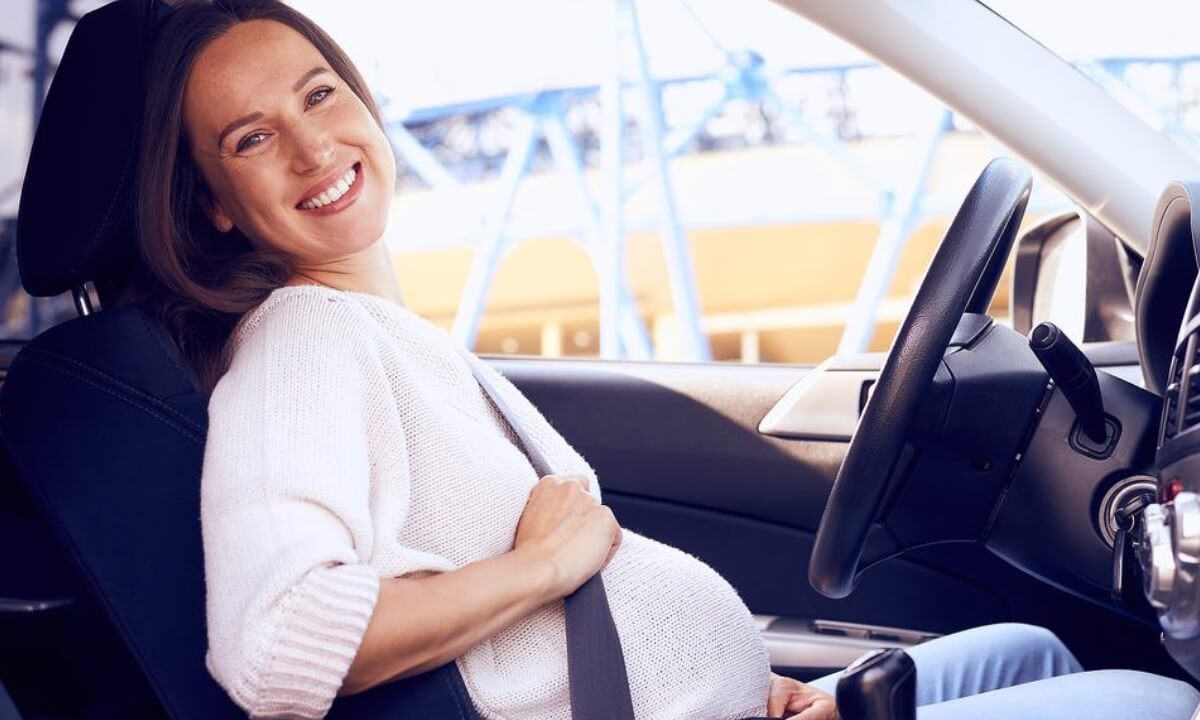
(769, 291)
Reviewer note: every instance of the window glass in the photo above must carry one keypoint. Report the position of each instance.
(763, 164)
(790, 158)
(1143, 54)
(21, 316)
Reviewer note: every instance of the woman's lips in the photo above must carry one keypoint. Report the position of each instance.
(344, 201)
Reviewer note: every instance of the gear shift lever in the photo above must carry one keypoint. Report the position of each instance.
(881, 685)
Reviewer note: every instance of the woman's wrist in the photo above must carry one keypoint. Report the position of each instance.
(540, 571)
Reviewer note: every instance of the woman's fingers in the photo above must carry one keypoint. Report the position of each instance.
(616, 545)
(794, 700)
(580, 478)
(819, 710)
(778, 695)
(812, 707)
(564, 525)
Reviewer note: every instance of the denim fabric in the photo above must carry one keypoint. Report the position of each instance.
(1008, 671)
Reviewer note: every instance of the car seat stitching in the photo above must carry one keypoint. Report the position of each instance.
(104, 222)
(141, 406)
(129, 401)
(52, 360)
(141, 394)
(167, 350)
(455, 692)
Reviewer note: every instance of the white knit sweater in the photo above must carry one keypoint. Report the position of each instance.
(349, 441)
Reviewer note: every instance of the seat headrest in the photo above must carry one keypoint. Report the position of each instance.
(75, 221)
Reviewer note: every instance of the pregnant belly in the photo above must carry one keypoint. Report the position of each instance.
(690, 644)
(691, 648)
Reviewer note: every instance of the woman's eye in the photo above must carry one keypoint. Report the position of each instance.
(250, 141)
(316, 97)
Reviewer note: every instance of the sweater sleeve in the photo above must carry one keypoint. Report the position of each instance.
(285, 508)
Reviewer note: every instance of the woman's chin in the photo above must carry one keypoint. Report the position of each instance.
(357, 228)
(331, 248)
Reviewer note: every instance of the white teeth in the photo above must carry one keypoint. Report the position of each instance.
(340, 188)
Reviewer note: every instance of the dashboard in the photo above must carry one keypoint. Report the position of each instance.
(1167, 309)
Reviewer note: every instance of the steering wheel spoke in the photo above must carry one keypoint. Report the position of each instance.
(950, 308)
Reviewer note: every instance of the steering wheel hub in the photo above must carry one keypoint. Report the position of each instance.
(961, 279)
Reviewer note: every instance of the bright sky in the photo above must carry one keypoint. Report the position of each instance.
(1086, 29)
(456, 50)
(448, 51)
(423, 54)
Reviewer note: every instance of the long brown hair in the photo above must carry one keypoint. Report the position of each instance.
(200, 282)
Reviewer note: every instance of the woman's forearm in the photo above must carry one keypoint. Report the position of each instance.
(420, 623)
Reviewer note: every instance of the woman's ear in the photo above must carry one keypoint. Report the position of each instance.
(215, 213)
(222, 221)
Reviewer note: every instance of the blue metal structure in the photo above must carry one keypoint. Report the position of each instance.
(902, 214)
(744, 76)
(679, 263)
(637, 100)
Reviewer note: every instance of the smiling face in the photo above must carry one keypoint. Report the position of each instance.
(290, 155)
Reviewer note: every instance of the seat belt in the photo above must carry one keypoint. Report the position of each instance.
(595, 663)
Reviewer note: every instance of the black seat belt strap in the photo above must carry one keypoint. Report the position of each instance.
(595, 662)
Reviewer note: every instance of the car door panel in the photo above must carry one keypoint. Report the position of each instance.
(685, 434)
(680, 459)
(768, 564)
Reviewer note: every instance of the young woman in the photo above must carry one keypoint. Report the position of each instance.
(367, 512)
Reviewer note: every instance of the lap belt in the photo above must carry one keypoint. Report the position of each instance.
(595, 663)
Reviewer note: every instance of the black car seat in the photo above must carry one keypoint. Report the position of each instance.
(8, 711)
(104, 420)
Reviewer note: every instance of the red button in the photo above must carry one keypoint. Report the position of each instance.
(1172, 489)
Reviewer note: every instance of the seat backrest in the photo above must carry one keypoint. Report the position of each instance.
(8, 711)
(103, 418)
(107, 428)
(107, 432)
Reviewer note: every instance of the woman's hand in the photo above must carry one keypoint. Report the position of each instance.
(793, 699)
(564, 526)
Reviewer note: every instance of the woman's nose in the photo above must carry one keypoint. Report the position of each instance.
(313, 150)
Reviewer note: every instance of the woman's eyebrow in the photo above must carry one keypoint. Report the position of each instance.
(244, 120)
(306, 77)
(256, 116)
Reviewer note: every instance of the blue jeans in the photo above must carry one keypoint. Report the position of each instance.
(1012, 671)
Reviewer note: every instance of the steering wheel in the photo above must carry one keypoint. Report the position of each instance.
(962, 278)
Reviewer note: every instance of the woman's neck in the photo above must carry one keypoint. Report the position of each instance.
(369, 271)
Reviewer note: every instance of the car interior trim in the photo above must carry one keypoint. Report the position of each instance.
(805, 643)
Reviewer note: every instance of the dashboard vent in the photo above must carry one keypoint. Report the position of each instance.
(1191, 404)
(1172, 401)
(1191, 379)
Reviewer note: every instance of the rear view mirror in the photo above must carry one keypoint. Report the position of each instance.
(1070, 270)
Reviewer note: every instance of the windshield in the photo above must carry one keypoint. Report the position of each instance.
(1145, 55)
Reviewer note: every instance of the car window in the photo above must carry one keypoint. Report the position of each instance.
(791, 163)
(21, 316)
(1143, 54)
(764, 166)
